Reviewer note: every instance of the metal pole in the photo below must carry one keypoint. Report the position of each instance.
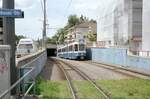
(44, 26)
(9, 39)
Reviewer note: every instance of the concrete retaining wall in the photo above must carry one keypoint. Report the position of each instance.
(37, 63)
(120, 57)
(25, 59)
(4, 69)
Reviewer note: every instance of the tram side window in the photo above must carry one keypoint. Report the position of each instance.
(25, 46)
(81, 47)
(70, 48)
(66, 50)
(76, 47)
(63, 49)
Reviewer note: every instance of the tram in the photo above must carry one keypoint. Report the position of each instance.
(74, 50)
(26, 47)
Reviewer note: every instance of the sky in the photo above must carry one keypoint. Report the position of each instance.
(57, 14)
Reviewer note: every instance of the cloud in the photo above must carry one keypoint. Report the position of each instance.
(86, 4)
(0, 3)
(57, 12)
(25, 4)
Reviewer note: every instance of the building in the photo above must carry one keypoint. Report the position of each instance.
(1, 31)
(120, 25)
(146, 26)
(81, 31)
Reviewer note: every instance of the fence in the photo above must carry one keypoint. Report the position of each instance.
(140, 53)
(27, 75)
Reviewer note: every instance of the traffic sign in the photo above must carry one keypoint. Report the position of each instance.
(14, 13)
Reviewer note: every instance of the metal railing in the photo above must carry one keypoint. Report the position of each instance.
(141, 53)
(15, 84)
(27, 75)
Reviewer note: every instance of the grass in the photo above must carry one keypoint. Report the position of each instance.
(86, 91)
(127, 89)
(53, 89)
(118, 89)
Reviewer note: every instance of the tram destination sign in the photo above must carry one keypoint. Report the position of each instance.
(13, 13)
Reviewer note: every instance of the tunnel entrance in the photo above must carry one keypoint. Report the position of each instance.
(51, 50)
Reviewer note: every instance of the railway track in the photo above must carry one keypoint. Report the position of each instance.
(121, 70)
(68, 78)
(62, 66)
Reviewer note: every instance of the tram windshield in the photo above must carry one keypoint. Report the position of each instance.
(25, 46)
(76, 47)
(81, 47)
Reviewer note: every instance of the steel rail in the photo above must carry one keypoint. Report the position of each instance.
(98, 87)
(68, 78)
(116, 69)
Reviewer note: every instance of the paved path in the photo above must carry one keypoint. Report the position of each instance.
(51, 71)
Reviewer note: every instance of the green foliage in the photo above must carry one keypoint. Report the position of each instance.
(53, 40)
(92, 36)
(87, 91)
(61, 33)
(127, 88)
(18, 37)
(73, 20)
(52, 89)
(117, 89)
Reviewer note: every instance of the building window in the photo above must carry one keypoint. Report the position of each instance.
(109, 42)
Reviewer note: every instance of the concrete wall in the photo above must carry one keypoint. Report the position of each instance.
(120, 57)
(38, 63)
(4, 69)
(25, 59)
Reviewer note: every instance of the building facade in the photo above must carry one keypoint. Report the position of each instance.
(121, 24)
(146, 26)
(81, 31)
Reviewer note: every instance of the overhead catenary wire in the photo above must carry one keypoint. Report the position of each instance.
(42, 5)
(68, 6)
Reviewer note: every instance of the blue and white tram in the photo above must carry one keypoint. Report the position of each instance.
(73, 50)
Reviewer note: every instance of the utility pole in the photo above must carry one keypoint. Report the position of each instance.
(44, 26)
(9, 39)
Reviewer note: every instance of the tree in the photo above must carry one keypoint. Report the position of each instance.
(92, 36)
(53, 40)
(82, 19)
(94, 21)
(18, 37)
(73, 20)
